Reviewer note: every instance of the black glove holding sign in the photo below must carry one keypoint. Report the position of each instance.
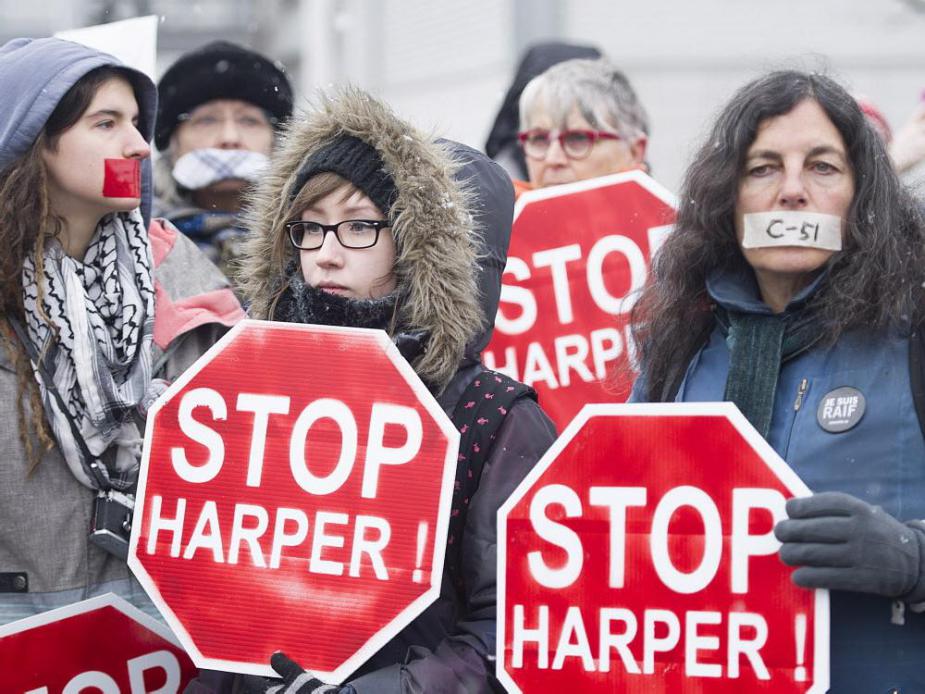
(295, 680)
(842, 543)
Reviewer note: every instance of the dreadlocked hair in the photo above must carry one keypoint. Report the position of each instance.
(33, 430)
(26, 224)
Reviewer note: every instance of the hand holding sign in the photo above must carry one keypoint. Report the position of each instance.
(296, 680)
(843, 543)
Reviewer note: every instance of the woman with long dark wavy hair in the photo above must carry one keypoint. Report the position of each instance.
(809, 333)
(100, 305)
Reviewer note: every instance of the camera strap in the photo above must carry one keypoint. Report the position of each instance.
(90, 463)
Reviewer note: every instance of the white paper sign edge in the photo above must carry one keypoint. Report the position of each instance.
(133, 41)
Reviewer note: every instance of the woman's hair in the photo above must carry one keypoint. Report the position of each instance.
(874, 283)
(601, 92)
(26, 225)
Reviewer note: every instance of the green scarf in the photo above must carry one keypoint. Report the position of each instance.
(759, 344)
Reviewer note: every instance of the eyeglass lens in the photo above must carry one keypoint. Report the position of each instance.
(309, 236)
(575, 143)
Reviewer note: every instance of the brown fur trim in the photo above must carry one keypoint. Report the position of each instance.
(436, 243)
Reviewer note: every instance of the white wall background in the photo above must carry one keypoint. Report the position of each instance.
(446, 64)
(684, 58)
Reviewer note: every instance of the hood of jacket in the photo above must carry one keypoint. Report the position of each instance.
(538, 58)
(35, 74)
(431, 218)
(492, 207)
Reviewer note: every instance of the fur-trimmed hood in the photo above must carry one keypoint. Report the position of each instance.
(436, 242)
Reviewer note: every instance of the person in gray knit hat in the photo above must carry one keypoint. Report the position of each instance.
(219, 108)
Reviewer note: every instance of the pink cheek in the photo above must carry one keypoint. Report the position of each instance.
(306, 268)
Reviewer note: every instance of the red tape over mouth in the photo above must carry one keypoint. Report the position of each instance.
(122, 178)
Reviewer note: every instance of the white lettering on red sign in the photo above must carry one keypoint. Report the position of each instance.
(569, 354)
(596, 638)
(661, 631)
(335, 543)
(165, 661)
(583, 356)
(557, 260)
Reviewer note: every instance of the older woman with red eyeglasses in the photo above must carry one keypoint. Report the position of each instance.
(581, 119)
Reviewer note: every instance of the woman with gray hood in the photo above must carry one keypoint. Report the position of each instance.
(100, 306)
(360, 222)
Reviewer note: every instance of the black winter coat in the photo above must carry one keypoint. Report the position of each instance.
(450, 647)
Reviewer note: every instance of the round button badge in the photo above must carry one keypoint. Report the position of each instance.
(841, 409)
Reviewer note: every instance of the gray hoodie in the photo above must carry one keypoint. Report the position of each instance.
(39, 72)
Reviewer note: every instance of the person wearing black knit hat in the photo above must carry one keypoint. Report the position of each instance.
(219, 108)
(362, 221)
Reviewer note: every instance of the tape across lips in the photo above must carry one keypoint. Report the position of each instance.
(122, 178)
(792, 228)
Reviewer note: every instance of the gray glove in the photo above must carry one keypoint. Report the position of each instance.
(842, 543)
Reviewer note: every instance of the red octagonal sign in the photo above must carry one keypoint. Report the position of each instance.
(102, 645)
(294, 495)
(579, 254)
(638, 556)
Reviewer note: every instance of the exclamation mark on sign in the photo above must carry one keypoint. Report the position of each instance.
(800, 628)
(417, 576)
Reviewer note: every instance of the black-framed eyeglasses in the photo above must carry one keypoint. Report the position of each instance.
(576, 144)
(351, 233)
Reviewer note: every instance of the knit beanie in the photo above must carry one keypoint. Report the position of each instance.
(220, 70)
(356, 161)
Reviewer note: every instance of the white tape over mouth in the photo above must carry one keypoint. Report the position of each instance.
(792, 228)
(201, 168)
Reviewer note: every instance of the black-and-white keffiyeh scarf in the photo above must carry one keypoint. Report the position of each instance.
(103, 310)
